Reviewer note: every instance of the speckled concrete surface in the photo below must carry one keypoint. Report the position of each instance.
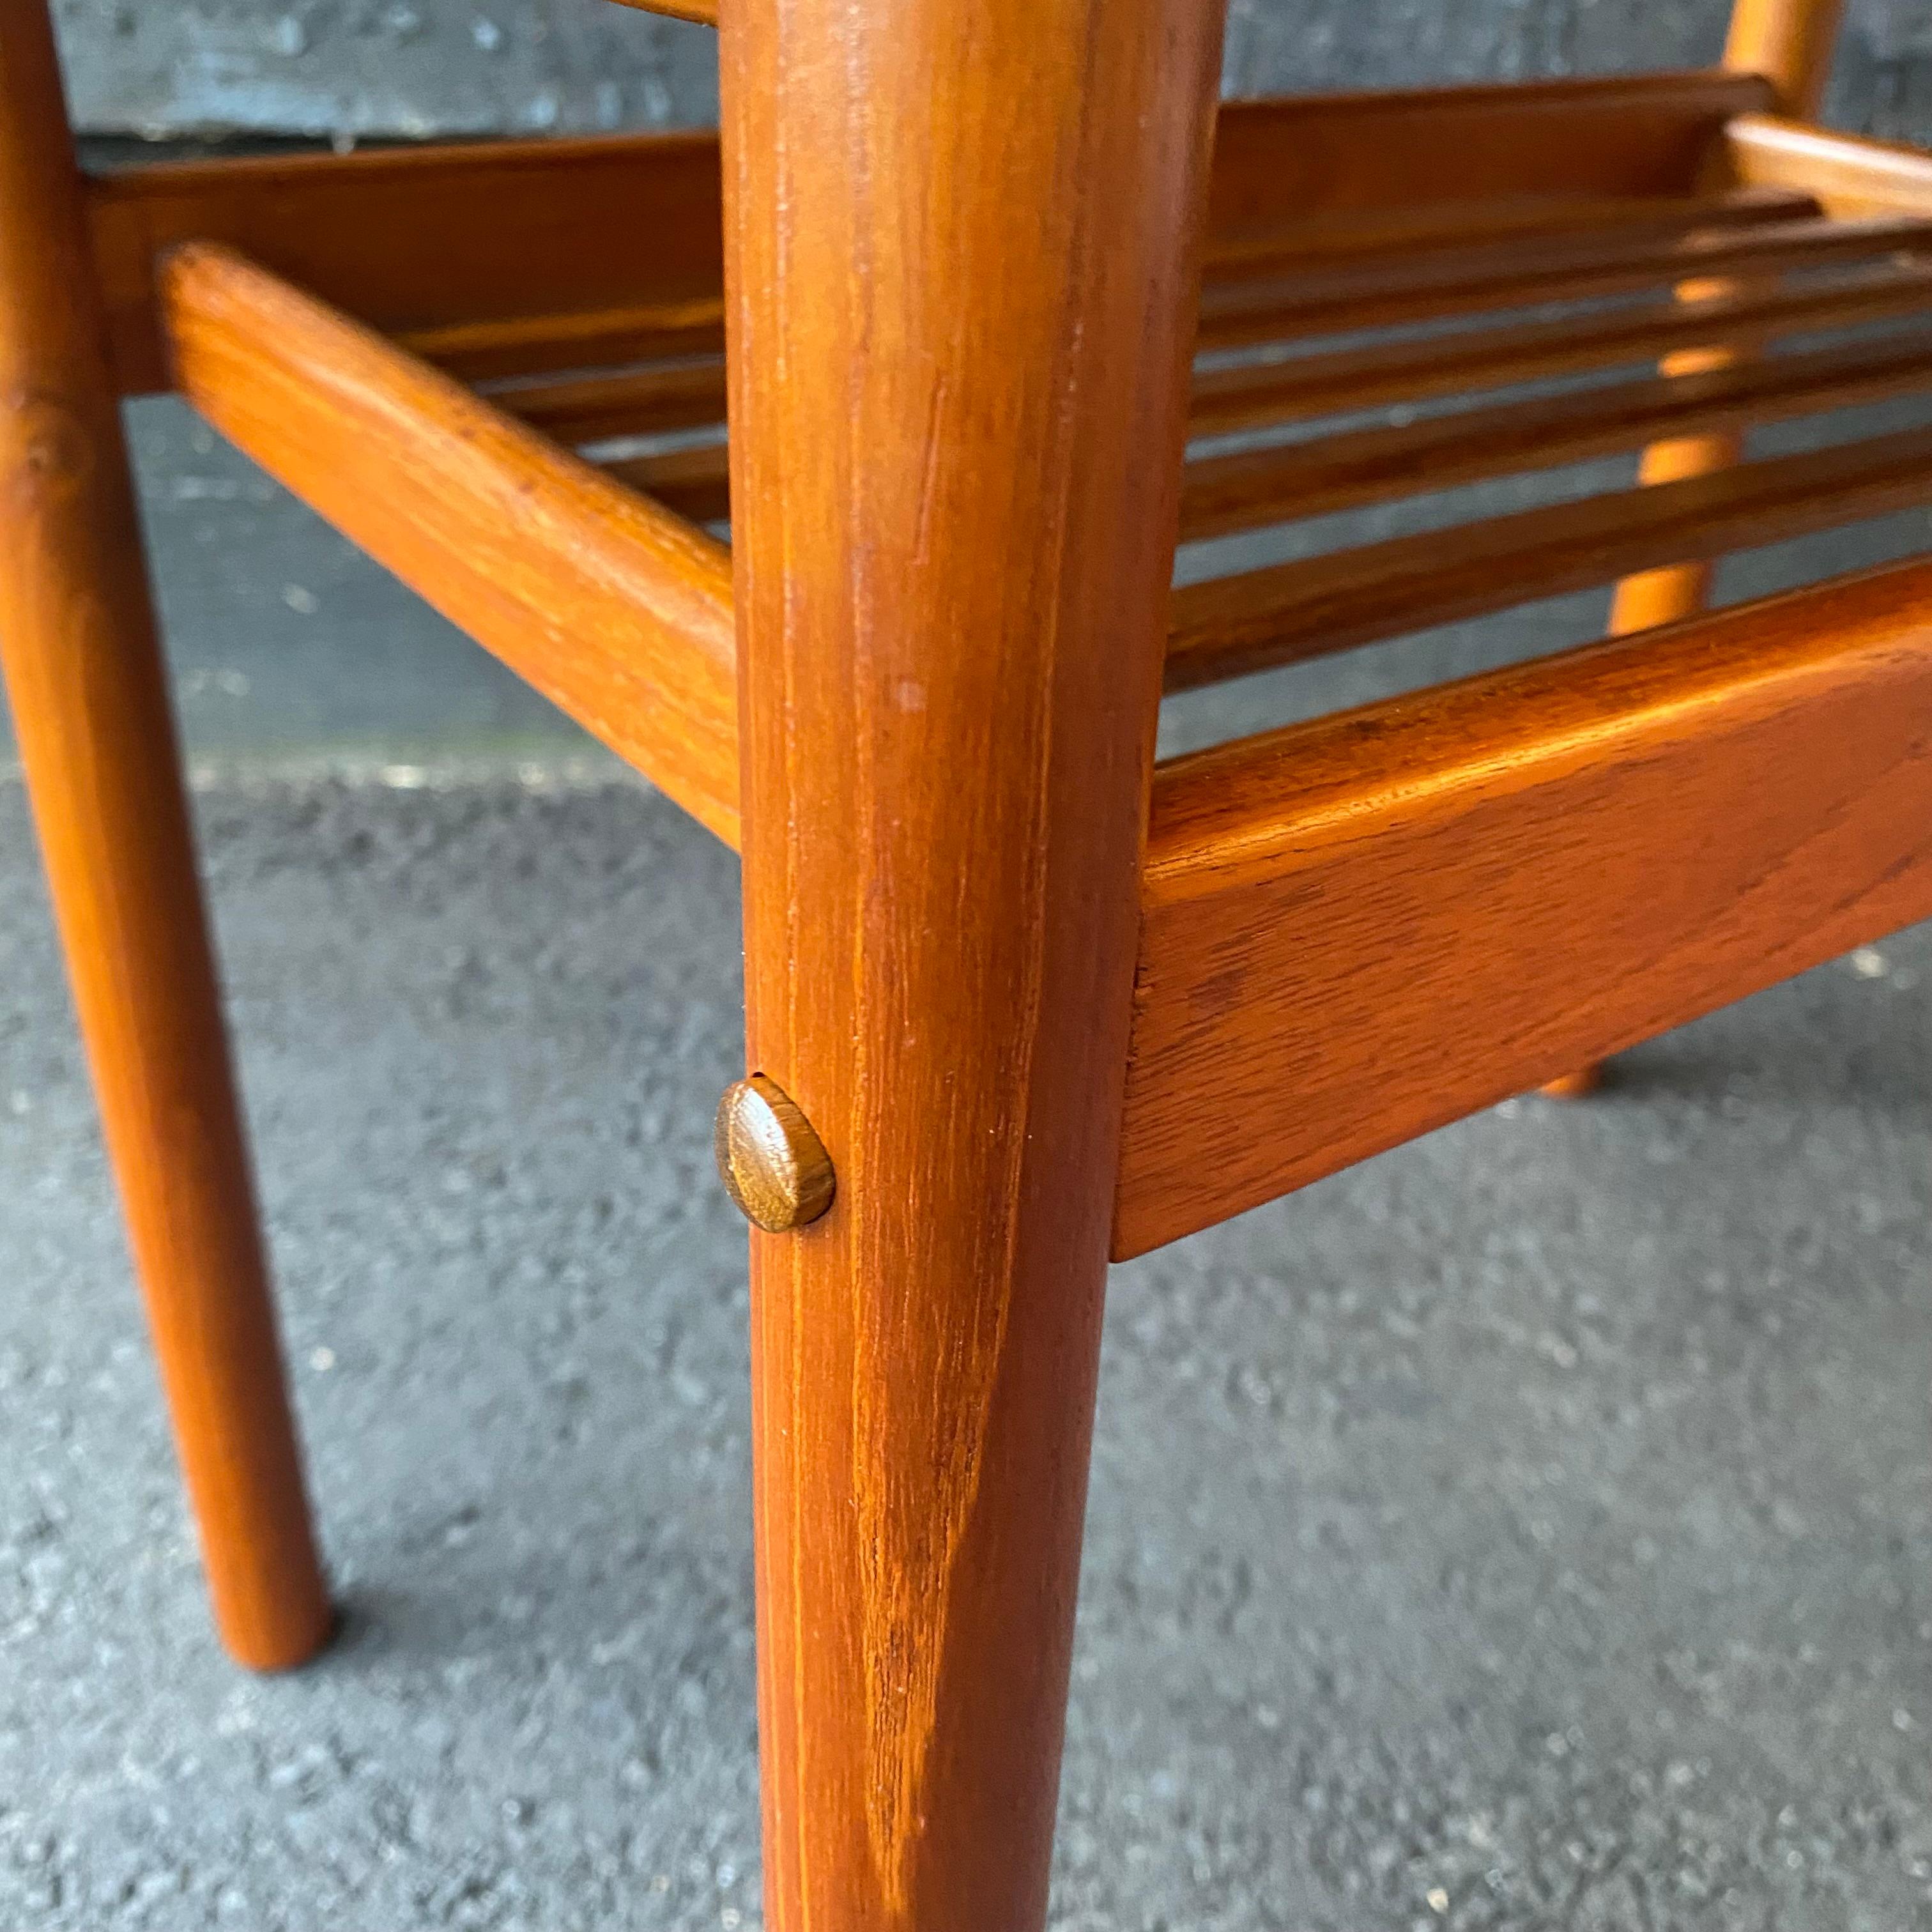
(1529, 1529)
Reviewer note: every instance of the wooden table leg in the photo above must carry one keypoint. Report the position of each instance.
(961, 236)
(92, 714)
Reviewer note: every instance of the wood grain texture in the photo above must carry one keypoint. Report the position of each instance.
(617, 611)
(694, 483)
(1250, 395)
(648, 401)
(955, 459)
(1286, 162)
(1356, 930)
(1331, 299)
(496, 256)
(1851, 177)
(91, 717)
(582, 406)
(773, 1165)
(1231, 625)
(1321, 474)
(1478, 221)
(574, 339)
(1312, 477)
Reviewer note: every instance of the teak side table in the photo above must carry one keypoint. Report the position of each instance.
(1019, 998)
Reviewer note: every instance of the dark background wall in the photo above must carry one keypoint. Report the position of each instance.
(425, 68)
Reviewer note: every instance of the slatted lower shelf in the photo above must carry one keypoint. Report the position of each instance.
(1772, 268)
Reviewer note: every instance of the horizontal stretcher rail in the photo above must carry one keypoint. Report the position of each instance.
(1850, 175)
(1231, 626)
(1359, 929)
(1221, 494)
(1516, 274)
(616, 610)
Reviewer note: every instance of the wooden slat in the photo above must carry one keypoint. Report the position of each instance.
(686, 394)
(512, 239)
(1231, 626)
(1225, 494)
(1248, 396)
(1324, 474)
(695, 483)
(511, 234)
(1281, 162)
(575, 339)
(1332, 241)
(1358, 929)
(642, 402)
(1851, 176)
(617, 611)
(1330, 301)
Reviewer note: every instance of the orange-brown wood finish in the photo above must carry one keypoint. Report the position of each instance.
(492, 257)
(91, 716)
(1789, 43)
(1850, 176)
(618, 611)
(1231, 625)
(1357, 929)
(951, 543)
(1280, 163)
(1247, 396)
(1330, 299)
(1317, 475)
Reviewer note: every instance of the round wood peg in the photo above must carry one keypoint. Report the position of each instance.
(773, 1165)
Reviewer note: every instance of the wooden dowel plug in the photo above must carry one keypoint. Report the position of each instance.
(773, 1165)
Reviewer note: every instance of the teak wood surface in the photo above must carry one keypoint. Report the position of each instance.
(1229, 626)
(953, 542)
(1016, 997)
(1357, 929)
(494, 258)
(1856, 178)
(613, 608)
(91, 711)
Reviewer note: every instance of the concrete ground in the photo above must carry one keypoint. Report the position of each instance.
(1531, 1528)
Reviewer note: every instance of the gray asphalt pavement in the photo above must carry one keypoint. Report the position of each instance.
(1532, 1528)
